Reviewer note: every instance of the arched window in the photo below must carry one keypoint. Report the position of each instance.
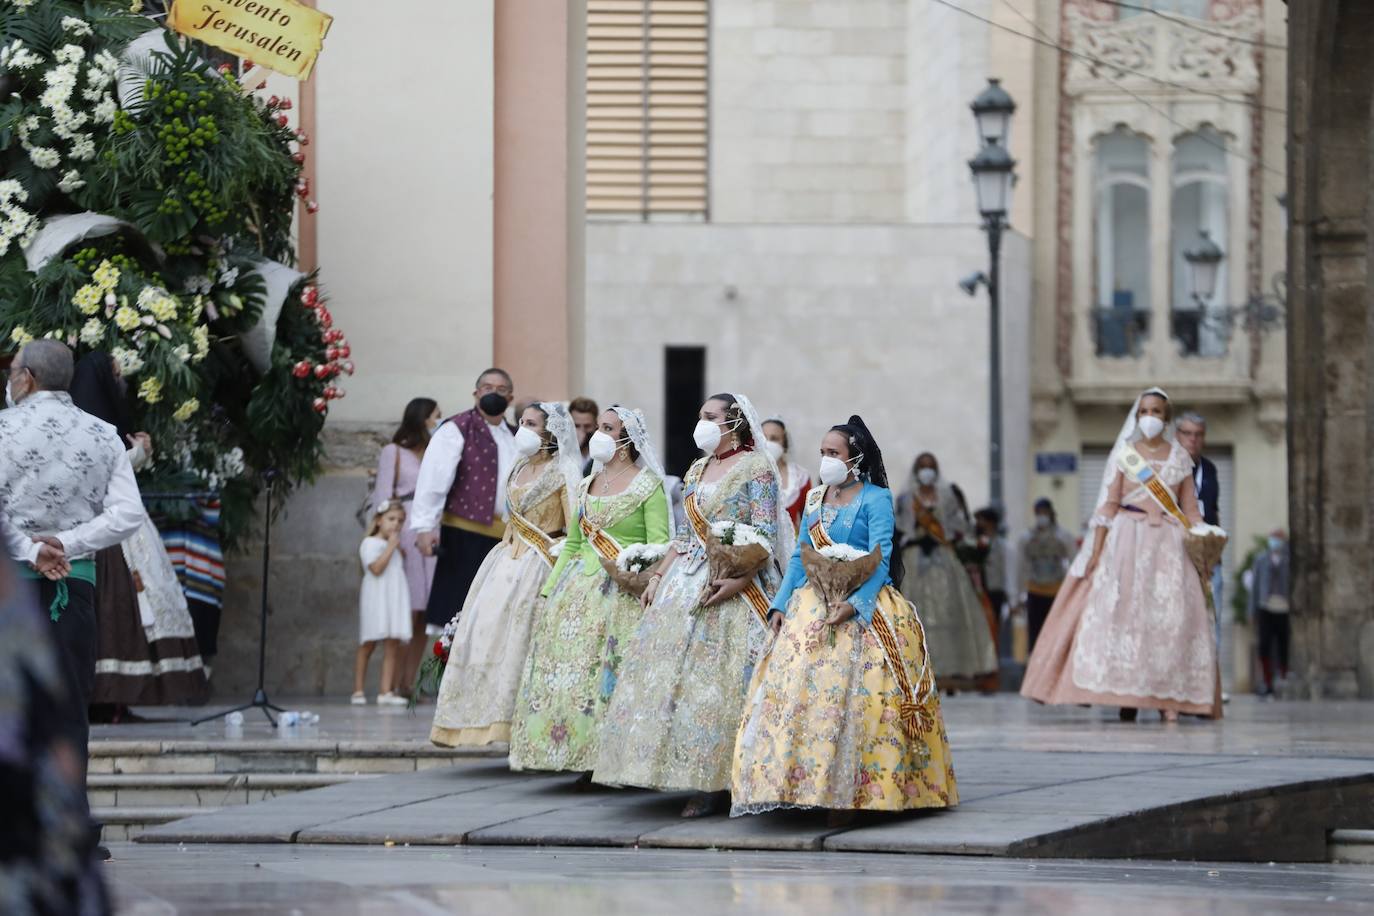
(1199, 205)
(1197, 9)
(1122, 243)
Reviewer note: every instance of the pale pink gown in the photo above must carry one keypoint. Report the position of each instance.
(398, 477)
(1138, 633)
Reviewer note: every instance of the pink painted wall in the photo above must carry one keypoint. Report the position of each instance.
(537, 236)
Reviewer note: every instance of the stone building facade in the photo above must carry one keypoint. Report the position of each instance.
(1331, 344)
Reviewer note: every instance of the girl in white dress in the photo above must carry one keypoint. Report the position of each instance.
(383, 604)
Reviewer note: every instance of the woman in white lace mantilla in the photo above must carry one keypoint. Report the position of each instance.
(1131, 627)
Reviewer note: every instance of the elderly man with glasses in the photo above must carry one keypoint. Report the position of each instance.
(66, 490)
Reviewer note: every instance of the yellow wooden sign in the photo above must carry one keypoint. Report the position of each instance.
(283, 35)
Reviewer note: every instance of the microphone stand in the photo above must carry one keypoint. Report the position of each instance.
(260, 700)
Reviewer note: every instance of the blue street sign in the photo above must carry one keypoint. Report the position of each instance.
(1056, 463)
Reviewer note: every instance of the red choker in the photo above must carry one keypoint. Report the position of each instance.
(734, 451)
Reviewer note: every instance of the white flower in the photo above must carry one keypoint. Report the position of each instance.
(228, 277)
(83, 148)
(107, 62)
(104, 110)
(70, 54)
(92, 332)
(128, 359)
(842, 552)
(18, 57)
(737, 534)
(71, 181)
(1203, 530)
(639, 557)
(78, 27)
(182, 352)
(197, 283)
(23, 4)
(45, 157)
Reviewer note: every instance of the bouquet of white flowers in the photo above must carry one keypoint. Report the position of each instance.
(734, 550)
(633, 567)
(837, 571)
(1204, 544)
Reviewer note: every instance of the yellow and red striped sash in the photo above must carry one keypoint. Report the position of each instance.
(752, 593)
(606, 547)
(1136, 468)
(911, 710)
(531, 534)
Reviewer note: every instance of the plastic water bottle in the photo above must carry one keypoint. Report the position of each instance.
(290, 719)
(234, 719)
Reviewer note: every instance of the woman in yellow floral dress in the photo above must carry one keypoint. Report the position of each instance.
(843, 712)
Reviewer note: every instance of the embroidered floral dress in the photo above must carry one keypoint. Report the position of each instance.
(939, 585)
(672, 721)
(1138, 632)
(477, 694)
(578, 638)
(824, 724)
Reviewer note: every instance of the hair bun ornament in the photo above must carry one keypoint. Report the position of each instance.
(383, 507)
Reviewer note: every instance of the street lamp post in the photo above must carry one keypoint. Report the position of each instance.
(993, 176)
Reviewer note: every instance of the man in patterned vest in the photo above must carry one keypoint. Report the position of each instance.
(462, 484)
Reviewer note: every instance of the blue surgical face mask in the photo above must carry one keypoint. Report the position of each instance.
(1275, 544)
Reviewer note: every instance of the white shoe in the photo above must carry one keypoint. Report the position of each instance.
(358, 699)
(391, 699)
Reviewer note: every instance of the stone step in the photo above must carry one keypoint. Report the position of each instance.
(162, 790)
(1352, 846)
(287, 755)
(127, 823)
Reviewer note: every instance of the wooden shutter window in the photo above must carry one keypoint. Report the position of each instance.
(647, 88)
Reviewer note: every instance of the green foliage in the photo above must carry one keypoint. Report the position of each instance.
(207, 180)
(1240, 595)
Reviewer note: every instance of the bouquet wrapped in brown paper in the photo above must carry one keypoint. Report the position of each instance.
(734, 550)
(1204, 544)
(837, 571)
(634, 566)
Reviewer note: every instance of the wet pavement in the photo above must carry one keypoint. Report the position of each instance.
(157, 881)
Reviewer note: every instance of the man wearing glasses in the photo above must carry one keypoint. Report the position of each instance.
(66, 490)
(460, 496)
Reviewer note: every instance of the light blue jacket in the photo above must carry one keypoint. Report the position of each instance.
(865, 523)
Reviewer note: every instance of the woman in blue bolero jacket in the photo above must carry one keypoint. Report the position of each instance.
(843, 712)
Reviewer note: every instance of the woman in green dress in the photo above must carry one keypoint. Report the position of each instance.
(579, 636)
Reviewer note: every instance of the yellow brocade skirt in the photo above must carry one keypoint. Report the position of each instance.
(821, 728)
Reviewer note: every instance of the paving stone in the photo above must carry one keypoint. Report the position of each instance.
(164, 764)
(616, 818)
(777, 830)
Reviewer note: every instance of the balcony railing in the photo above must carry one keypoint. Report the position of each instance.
(1120, 331)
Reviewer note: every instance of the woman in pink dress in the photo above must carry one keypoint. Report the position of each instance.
(398, 467)
(1131, 627)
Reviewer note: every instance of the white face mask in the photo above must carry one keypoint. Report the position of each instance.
(1150, 426)
(707, 436)
(833, 471)
(1042, 521)
(527, 441)
(774, 450)
(927, 476)
(601, 447)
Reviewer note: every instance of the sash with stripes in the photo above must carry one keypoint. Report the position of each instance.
(1136, 468)
(606, 547)
(530, 533)
(752, 594)
(911, 710)
(925, 517)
